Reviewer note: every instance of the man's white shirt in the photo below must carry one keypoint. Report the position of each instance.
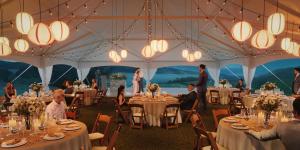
(55, 110)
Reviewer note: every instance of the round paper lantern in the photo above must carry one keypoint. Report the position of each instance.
(148, 52)
(153, 45)
(40, 34)
(162, 46)
(21, 45)
(60, 30)
(124, 53)
(112, 54)
(276, 23)
(24, 22)
(5, 50)
(4, 40)
(197, 54)
(241, 31)
(185, 53)
(294, 48)
(285, 43)
(262, 39)
(190, 58)
(117, 58)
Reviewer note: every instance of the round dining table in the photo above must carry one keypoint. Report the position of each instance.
(154, 107)
(236, 139)
(73, 140)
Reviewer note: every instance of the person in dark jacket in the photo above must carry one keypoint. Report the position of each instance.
(240, 85)
(202, 85)
(187, 100)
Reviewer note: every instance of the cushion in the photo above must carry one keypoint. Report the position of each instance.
(100, 148)
(96, 136)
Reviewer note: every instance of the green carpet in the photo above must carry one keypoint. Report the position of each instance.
(150, 138)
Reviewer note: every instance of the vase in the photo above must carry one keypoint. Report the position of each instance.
(153, 94)
(27, 121)
(37, 93)
(267, 119)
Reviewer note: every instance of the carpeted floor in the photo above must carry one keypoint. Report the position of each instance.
(150, 138)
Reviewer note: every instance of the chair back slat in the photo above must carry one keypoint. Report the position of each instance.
(202, 136)
(197, 121)
(113, 139)
(217, 113)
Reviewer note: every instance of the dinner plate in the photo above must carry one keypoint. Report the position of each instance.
(72, 127)
(22, 142)
(65, 121)
(230, 120)
(239, 126)
(50, 138)
(3, 125)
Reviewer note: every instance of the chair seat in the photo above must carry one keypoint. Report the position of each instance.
(171, 114)
(209, 147)
(137, 114)
(214, 134)
(100, 148)
(96, 136)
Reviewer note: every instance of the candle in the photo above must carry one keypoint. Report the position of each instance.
(36, 124)
(284, 119)
(12, 123)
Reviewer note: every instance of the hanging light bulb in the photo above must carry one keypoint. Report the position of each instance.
(162, 46)
(185, 53)
(21, 45)
(285, 43)
(190, 58)
(276, 23)
(153, 45)
(5, 50)
(241, 31)
(4, 40)
(197, 54)
(40, 34)
(112, 54)
(124, 53)
(148, 52)
(293, 48)
(24, 22)
(117, 58)
(59, 30)
(262, 39)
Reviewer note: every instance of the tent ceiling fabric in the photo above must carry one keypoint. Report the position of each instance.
(89, 45)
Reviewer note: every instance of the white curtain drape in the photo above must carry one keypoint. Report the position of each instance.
(215, 74)
(82, 73)
(45, 74)
(248, 75)
(148, 73)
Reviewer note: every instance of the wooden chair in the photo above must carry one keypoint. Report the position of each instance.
(197, 121)
(236, 104)
(73, 110)
(219, 113)
(111, 143)
(137, 111)
(101, 136)
(98, 97)
(202, 137)
(80, 95)
(236, 94)
(189, 112)
(119, 112)
(170, 116)
(214, 96)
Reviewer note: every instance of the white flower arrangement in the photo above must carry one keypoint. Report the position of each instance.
(268, 86)
(77, 82)
(268, 103)
(29, 106)
(153, 87)
(223, 81)
(37, 87)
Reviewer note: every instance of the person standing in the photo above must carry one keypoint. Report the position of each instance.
(141, 84)
(296, 82)
(135, 82)
(202, 85)
(240, 85)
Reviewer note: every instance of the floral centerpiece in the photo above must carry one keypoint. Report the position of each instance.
(77, 83)
(37, 87)
(223, 82)
(268, 86)
(29, 107)
(267, 103)
(153, 87)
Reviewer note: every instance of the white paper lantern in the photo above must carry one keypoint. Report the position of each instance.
(4, 40)
(21, 45)
(24, 22)
(40, 34)
(112, 54)
(197, 54)
(124, 53)
(60, 30)
(148, 52)
(190, 58)
(162, 46)
(241, 31)
(285, 43)
(294, 48)
(185, 53)
(153, 45)
(117, 58)
(262, 39)
(276, 23)
(5, 50)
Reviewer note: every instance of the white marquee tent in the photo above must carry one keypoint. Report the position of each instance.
(204, 25)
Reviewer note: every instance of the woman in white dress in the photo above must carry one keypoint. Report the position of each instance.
(135, 82)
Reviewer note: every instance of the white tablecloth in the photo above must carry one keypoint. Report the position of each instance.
(224, 94)
(234, 139)
(155, 108)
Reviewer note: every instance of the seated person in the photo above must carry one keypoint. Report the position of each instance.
(56, 109)
(121, 97)
(94, 84)
(9, 92)
(241, 85)
(187, 100)
(287, 132)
